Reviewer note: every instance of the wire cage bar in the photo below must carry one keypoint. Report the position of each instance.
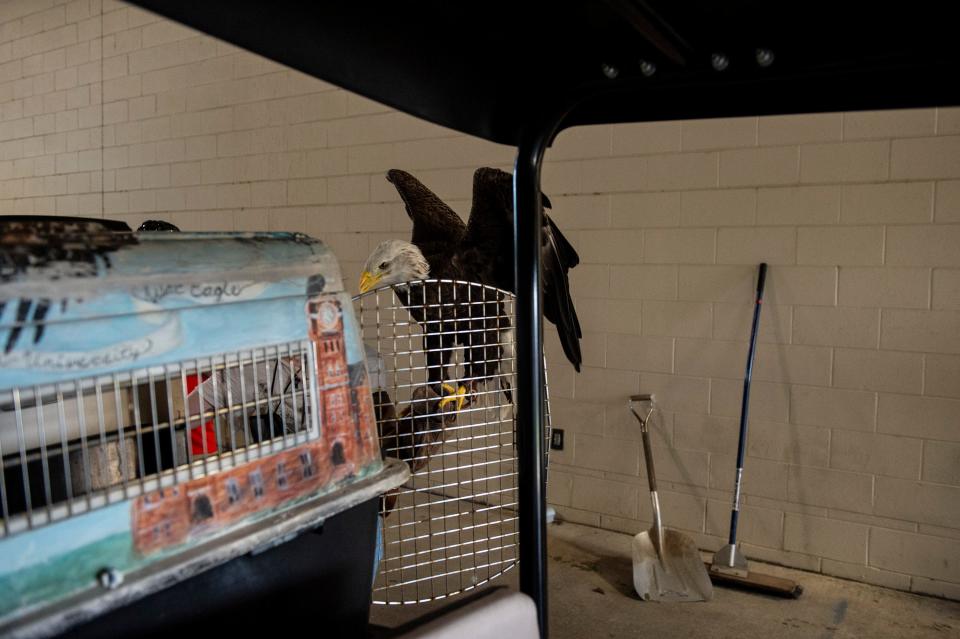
(71, 447)
(441, 359)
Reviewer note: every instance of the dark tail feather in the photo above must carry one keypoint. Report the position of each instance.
(576, 321)
(571, 348)
(568, 255)
(558, 305)
(568, 258)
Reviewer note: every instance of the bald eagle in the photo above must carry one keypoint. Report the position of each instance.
(481, 251)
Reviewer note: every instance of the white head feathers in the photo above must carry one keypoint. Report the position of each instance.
(394, 262)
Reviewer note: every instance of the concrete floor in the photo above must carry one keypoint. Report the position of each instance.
(591, 595)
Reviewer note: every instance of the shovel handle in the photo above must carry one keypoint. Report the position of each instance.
(648, 457)
(645, 438)
(651, 473)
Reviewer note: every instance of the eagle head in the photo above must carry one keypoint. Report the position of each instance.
(393, 262)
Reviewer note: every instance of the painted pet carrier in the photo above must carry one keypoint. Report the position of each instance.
(571, 64)
(169, 402)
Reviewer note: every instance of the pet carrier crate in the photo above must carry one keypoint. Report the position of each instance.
(453, 525)
(170, 402)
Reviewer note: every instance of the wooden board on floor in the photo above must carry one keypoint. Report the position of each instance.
(758, 582)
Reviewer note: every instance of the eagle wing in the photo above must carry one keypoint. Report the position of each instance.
(558, 257)
(487, 246)
(436, 226)
(490, 235)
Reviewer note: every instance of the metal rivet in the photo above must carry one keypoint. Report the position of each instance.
(764, 57)
(719, 61)
(647, 68)
(610, 71)
(110, 578)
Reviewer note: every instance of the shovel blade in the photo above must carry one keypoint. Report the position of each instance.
(678, 575)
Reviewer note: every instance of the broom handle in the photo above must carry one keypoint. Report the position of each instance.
(742, 444)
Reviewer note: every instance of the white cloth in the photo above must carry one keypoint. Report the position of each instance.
(266, 388)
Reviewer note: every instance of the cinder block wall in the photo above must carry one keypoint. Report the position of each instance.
(853, 464)
(854, 453)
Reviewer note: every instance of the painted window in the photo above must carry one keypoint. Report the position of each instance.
(256, 484)
(307, 464)
(233, 491)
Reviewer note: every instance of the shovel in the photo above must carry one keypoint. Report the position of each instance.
(666, 563)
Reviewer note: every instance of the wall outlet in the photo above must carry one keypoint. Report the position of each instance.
(556, 439)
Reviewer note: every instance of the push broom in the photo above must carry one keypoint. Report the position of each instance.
(729, 565)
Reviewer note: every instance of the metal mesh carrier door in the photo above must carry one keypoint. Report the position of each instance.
(75, 446)
(453, 525)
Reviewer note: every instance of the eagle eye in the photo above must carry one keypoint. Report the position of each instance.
(383, 265)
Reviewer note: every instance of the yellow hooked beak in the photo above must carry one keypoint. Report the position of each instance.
(369, 281)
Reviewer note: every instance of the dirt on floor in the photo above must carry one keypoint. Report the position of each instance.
(591, 595)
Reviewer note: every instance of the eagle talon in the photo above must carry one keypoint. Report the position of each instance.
(458, 395)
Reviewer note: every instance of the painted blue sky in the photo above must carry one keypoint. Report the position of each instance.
(25, 549)
(351, 332)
